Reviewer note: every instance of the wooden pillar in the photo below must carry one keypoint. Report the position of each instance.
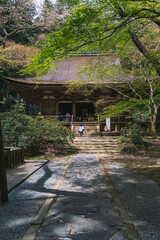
(40, 107)
(116, 127)
(3, 178)
(74, 110)
(57, 108)
(96, 109)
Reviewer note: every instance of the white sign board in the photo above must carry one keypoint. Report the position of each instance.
(108, 124)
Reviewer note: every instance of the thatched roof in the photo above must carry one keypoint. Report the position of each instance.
(71, 69)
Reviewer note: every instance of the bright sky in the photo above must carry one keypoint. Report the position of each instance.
(40, 2)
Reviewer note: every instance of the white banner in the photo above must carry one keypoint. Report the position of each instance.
(108, 124)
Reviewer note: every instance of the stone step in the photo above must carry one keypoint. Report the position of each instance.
(96, 143)
(114, 134)
(97, 139)
(94, 149)
(94, 146)
(100, 145)
(84, 124)
(98, 151)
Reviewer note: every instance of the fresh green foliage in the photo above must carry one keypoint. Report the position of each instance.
(132, 140)
(136, 137)
(119, 108)
(141, 95)
(104, 26)
(34, 134)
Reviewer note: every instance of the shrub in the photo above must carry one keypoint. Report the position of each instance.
(35, 134)
(136, 139)
(129, 149)
(132, 141)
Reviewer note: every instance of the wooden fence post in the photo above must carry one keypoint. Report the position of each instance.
(22, 154)
(3, 178)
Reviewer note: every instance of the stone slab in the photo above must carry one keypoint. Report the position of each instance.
(101, 235)
(90, 225)
(56, 230)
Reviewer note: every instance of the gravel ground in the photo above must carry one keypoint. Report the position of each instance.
(26, 200)
(142, 200)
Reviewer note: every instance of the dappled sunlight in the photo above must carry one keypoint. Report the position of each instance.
(33, 179)
(132, 181)
(140, 223)
(83, 206)
(26, 200)
(11, 223)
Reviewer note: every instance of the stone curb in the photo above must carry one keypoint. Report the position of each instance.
(31, 232)
(43, 211)
(39, 218)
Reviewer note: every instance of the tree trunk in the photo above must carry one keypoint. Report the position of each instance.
(153, 130)
(149, 56)
(153, 119)
(3, 178)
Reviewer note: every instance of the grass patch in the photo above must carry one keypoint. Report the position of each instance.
(41, 157)
(152, 173)
(50, 156)
(139, 164)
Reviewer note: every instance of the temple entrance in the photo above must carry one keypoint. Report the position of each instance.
(48, 108)
(64, 108)
(85, 111)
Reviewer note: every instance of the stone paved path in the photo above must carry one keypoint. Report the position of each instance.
(83, 209)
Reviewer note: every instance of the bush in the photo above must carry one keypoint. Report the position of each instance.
(137, 140)
(129, 149)
(35, 134)
(132, 141)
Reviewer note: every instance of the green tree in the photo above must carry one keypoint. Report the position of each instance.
(103, 26)
(141, 95)
(17, 21)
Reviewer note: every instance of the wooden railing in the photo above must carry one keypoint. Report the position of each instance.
(13, 156)
(68, 119)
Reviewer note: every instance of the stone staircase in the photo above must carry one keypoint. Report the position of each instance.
(90, 128)
(97, 144)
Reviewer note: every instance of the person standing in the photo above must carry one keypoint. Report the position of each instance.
(67, 117)
(81, 130)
